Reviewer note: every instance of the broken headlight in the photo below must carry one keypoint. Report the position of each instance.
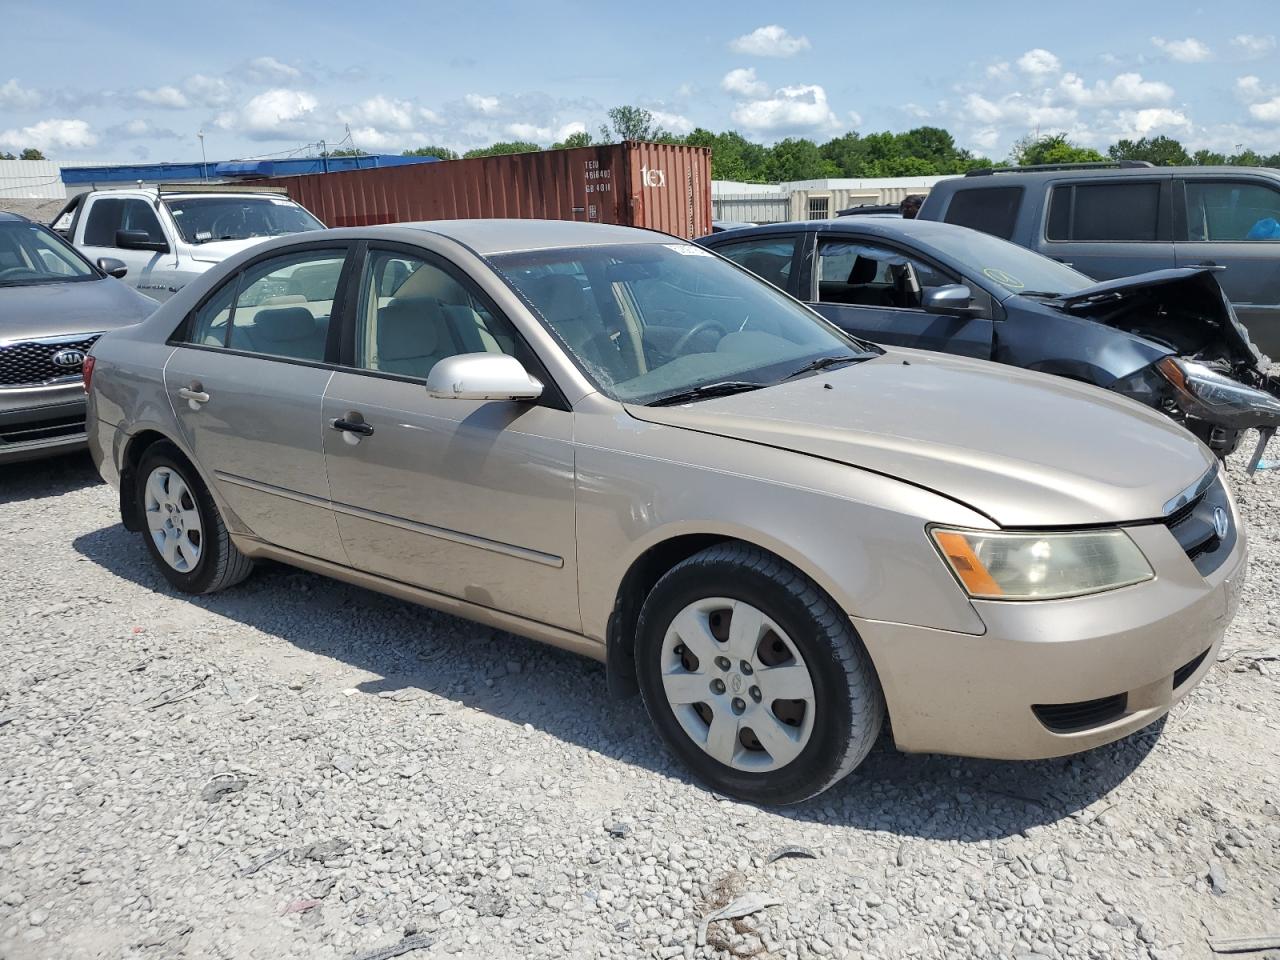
(1207, 394)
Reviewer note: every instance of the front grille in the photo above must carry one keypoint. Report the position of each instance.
(30, 362)
(1081, 715)
(1184, 672)
(1193, 527)
(42, 430)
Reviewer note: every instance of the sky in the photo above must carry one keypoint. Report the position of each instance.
(128, 81)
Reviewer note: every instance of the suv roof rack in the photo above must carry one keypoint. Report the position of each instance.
(1044, 167)
(163, 188)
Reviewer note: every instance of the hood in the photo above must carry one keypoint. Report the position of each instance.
(1183, 307)
(215, 251)
(78, 306)
(1026, 449)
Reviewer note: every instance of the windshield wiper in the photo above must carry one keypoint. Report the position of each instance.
(823, 363)
(1044, 294)
(705, 392)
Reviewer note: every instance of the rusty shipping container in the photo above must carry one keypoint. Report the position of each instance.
(656, 185)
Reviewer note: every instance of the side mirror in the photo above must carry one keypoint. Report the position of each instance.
(952, 298)
(482, 376)
(139, 240)
(113, 267)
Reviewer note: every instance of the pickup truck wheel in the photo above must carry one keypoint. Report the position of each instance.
(754, 677)
(182, 527)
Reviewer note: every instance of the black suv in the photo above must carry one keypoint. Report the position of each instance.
(1119, 219)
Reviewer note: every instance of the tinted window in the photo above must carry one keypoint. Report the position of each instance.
(413, 314)
(282, 306)
(109, 214)
(1105, 211)
(210, 323)
(992, 210)
(1223, 210)
(862, 274)
(30, 253)
(769, 258)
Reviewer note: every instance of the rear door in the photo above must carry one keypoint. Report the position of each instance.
(1235, 223)
(873, 290)
(246, 383)
(1110, 227)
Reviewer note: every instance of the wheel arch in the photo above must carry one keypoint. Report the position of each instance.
(137, 445)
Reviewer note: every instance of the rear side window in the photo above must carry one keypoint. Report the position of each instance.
(1227, 210)
(109, 214)
(1105, 212)
(992, 210)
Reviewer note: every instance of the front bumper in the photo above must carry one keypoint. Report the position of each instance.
(1103, 665)
(41, 421)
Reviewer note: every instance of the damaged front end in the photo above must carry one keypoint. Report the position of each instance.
(1214, 379)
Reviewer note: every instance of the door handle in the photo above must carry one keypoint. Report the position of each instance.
(194, 395)
(352, 423)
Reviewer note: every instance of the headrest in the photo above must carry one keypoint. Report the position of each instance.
(409, 328)
(282, 324)
(315, 281)
(429, 281)
(560, 297)
(864, 270)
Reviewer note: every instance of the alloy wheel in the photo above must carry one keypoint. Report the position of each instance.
(173, 519)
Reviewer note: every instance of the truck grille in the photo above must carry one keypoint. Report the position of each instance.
(1194, 528)
(30, 363)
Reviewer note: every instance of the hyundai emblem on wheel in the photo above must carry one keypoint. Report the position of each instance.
(1220, 522)
(68, 358)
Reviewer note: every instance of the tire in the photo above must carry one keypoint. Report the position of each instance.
(200, 555)
(786, 621)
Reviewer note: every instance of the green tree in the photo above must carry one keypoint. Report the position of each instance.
(1246, 158)
(630, 123)
(579, 139)
(7, 156)
(503, 148)
(1162, 151)
(31, 153)
(345, 152)
(1208, 158)
(440, 153)
(798, 159)
(1054, 148)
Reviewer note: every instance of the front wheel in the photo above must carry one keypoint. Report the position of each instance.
(754, 677)
(184, 531)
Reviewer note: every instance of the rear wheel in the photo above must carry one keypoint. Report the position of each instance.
(754, 677)
(182, 527)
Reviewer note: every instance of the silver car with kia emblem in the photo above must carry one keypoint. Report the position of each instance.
(625, 445)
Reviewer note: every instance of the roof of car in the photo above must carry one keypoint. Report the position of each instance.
(1066, 171)
(6, 216)
(503, 236)
(875, 226)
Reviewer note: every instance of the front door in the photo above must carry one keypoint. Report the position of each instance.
(247, 387)
(874, 291)
(473, 499)
(153, 272)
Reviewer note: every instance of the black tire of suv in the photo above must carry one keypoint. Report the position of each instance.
(221, 565)
(848, 701)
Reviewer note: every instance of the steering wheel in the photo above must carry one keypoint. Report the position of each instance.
(688, 336)
(10, 271)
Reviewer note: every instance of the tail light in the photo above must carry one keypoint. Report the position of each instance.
(87, 370)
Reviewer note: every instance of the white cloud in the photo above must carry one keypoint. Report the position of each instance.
(1268, 111)
(797, 108)
(207, 91)
(742, 82)
(1189, 50)
(381, 111)
(481, 104)
(855, 119)
(999, 71)
(271, 70)
(1142, 123)
(543, 135)
(139, 129)
(1017, 110)
(1251, 88)
(279, 114)
(171, 98)
(17, 97)
(1253, 46)
(1039, 63)
(50, 136)
(1125, 88)
(672, 122)
(770, 41)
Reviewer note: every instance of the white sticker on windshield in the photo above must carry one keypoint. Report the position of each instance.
(202, 235)
(687, 249)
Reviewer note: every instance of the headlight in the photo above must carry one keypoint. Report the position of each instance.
(1041, 566)
(1218, 399)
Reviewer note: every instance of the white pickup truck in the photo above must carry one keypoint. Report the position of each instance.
(168, 235)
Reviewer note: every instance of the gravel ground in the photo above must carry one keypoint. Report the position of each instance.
(297, 768)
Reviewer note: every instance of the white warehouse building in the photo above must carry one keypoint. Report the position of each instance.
(808, 199)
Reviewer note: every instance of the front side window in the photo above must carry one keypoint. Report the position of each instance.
(769, 258)
(863, 274)
(1227, 210)
(651, 321)
(1105, 212)
(109, 214)
(207, 219)
(31, 254)
(992, 210)
(278, 307)
(412, 314)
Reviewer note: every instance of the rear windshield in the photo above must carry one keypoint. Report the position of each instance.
(31, 253)
(992, 210)
(205, 219)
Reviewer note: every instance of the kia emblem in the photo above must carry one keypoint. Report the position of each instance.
(1221, 524)
(68, 358)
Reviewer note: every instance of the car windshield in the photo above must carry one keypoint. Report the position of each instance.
(653, 321)
(205, 219)
(31, 253)
(1015, 268)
